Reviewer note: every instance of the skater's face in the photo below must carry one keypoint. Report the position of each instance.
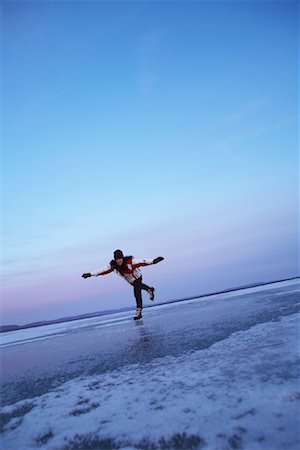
(119, 261)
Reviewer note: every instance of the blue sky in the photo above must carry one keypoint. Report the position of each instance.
(162, 128)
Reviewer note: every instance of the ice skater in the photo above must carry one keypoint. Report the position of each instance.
(128, 268)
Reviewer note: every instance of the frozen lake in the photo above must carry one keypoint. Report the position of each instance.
(219, 372)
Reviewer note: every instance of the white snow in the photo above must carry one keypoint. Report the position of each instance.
(241, 392)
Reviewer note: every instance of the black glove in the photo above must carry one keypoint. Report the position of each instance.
(86, 275)
(158, 259)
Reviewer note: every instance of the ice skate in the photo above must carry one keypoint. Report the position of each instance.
(138, 314)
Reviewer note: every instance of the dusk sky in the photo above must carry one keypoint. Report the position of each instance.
(161, 128)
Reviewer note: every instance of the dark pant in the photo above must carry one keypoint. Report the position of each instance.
(138, 286)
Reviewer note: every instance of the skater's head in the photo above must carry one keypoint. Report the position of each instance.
(118, 257)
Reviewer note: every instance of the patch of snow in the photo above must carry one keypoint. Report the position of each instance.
(240, 393)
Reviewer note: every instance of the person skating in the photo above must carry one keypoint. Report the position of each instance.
(128, 268)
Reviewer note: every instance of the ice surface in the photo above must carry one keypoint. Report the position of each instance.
(50, 331)
(233, 385)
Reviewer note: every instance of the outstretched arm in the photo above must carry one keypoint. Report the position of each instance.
(146, 262)
(104, 271)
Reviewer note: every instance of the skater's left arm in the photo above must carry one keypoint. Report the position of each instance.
(146, 262)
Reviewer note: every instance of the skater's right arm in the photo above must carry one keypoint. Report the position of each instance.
(104, 271)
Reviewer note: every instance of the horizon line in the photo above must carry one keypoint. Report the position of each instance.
(113, 311)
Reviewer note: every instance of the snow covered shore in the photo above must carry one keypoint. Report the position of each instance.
(240, 393)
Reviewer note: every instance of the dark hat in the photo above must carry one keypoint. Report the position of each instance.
(118, 254)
